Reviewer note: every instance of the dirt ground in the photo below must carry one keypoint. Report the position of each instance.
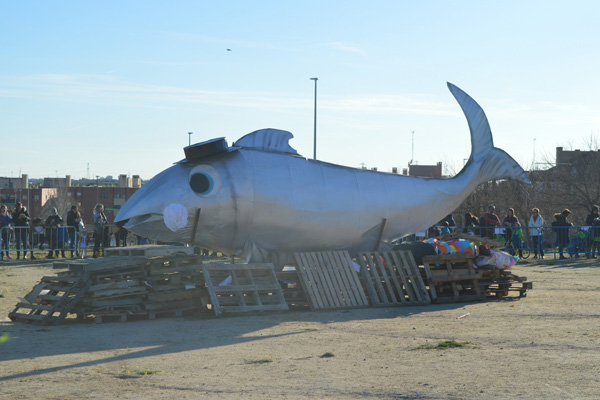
(543, 346)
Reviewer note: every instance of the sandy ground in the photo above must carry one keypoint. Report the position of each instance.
(543, 346)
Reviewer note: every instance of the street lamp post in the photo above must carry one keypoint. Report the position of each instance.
(190, 137)
(315, 139)
(97, 190)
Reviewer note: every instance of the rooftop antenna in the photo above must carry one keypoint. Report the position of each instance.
(412, 155)
(88, 171)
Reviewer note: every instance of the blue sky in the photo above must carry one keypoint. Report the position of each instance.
(118, 84)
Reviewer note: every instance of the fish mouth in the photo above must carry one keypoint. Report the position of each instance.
(145, 224)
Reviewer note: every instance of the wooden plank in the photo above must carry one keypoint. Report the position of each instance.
(353, 276)
(381, 297)
(307, 281)
(333, 276)
(368, 279)
(396, 277)
(318, 282)
(35, 306)
(386, 283)
(324, 269)
(346, 285)
(211, 292)
(246, 288)
(149, 250)
(432, 291)
(415, 275)
(118, 292)
(406, 275)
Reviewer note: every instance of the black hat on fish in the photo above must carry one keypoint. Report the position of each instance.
(204, 149)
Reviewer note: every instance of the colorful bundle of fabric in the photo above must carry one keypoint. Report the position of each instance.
(454, 246)
(498, 259)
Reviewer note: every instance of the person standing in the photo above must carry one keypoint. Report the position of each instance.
(471, 223)
(73, 223)
(509, 222)
(20, 218)
(5, 223)
(490, 221)
(561, 227)
(536, 222)
(52, 223)
(99, 222)
(592, 221)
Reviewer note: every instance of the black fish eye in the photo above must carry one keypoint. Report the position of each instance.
(201, 183)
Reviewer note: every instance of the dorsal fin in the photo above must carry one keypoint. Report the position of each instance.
(272, 140)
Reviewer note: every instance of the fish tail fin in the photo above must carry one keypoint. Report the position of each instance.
(492, 163)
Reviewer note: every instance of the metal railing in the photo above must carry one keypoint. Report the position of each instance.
(570, 241)
(24, 239)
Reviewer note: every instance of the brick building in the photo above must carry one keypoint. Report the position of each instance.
(62, 195)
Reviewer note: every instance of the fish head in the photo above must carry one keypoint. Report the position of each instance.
(168, 207)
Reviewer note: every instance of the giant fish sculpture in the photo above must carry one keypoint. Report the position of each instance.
(260, 198)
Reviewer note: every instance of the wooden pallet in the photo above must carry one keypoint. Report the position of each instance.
(243, 288)
(51, 300)
(392, 279)
(150, 250)
(499, 283)
(116, 286)
(452, 278)
(329, 280)
(292, 289)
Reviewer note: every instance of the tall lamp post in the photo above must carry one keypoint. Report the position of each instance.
(190, 137)
(315, 139)
(97, 190)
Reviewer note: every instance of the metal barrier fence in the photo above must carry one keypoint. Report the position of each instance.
(24, 239)
(568, 241)
(572, 242)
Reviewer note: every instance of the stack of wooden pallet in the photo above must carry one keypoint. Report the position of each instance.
(499, 283)
(117, 287)
(452, 278)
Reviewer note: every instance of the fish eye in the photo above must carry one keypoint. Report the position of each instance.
(201, 183)
(204, 180)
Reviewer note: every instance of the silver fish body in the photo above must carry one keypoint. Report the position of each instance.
(260, 198)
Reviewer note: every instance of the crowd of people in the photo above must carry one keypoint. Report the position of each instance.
(586, 239)
(53, 231)
(566, 238)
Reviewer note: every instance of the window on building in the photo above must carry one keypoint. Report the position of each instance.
(36, 198)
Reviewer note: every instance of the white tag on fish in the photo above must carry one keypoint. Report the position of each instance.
(175, 216)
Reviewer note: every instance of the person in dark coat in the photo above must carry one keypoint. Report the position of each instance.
(20, 218)
(471, 223)
(561, 227)
(593, 221)
(73, 220)
(52, 223)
